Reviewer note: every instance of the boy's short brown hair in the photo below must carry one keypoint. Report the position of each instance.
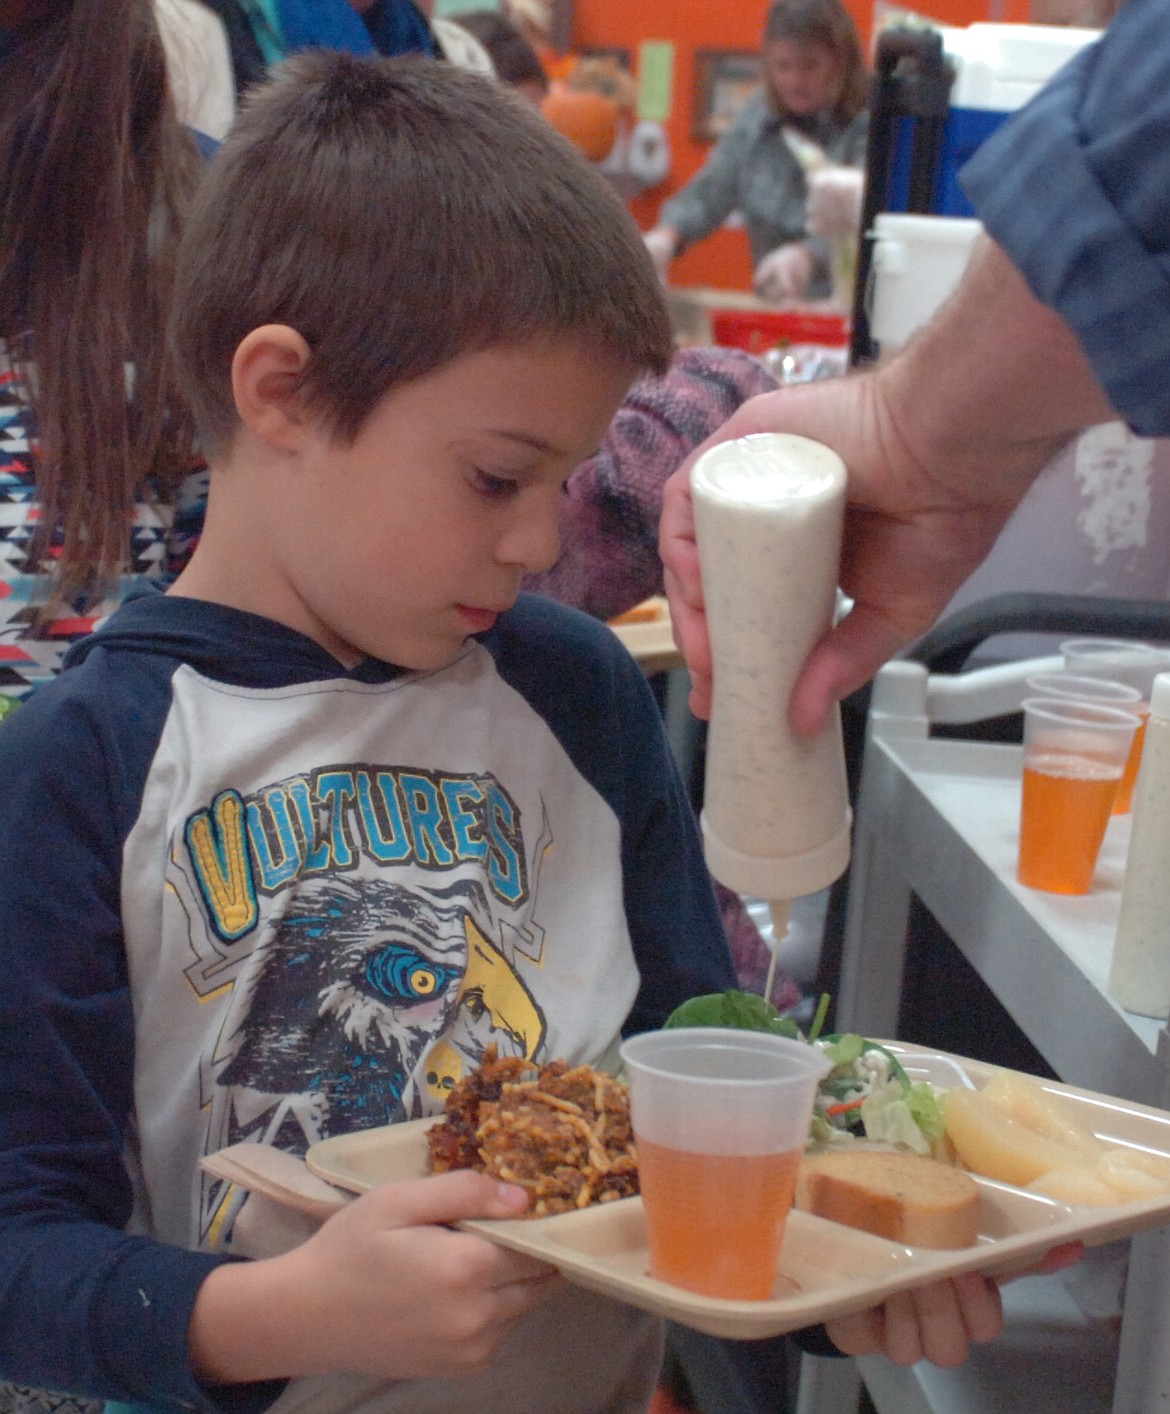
(397, 213)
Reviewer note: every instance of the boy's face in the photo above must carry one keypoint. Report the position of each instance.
(416, 536)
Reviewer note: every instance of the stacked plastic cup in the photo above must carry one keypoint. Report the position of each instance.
(1133, 664)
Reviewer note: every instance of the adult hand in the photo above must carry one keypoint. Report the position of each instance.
(661, 242)
(834, 201)
(939, 1322)
(940, 446)
(785, 273)
(384, 1288)
(908, 541)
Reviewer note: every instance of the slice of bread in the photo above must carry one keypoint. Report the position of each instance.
(908, 1199)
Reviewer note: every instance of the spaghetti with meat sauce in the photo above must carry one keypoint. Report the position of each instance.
(562, 1133)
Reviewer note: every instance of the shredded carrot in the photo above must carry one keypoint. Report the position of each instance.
(846, 1107)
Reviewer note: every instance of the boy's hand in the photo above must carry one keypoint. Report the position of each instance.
(939, 1322)
(383, 1288)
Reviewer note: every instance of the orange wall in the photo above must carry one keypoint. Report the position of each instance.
(722, 260)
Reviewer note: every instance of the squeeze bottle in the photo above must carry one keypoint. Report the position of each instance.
(1139, 977)
(768, 519)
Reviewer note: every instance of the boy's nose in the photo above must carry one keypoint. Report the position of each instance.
(533, 540)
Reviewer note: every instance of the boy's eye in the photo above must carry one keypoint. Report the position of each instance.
(493, 486)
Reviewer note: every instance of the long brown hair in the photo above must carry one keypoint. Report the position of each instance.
(96, 173)
(825, 22)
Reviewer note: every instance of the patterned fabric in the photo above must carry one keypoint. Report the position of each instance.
(753, 170)
(1074, 187)
(17, 1399)
(609, 523)
(160, 542)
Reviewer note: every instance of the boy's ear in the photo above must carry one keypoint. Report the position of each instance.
(266, 373)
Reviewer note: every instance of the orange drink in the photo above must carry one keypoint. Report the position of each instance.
(1064, 812)
(720, 1120)
(1074, 756)
(1104, 692)
(1120, 661)
(1123, 804)
(727, 1248)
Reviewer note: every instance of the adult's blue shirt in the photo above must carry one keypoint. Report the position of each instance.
(1076, 188)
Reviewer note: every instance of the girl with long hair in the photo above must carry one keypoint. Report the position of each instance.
(96, 171)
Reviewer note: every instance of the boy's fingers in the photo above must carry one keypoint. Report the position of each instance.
(981, 1305)
(859, 1333)
(448, 1198)
(902, 1343)
(936, 1322)
(1057, 1260)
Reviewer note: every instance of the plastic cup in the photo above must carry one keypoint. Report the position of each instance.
(1102, 692)
(1074, 756)
(1135, 665)
(720, 1120)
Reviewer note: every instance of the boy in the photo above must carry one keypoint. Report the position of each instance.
(288, 847)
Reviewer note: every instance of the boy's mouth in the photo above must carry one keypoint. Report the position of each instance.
(478, 620)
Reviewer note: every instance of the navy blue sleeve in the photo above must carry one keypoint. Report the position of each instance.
(84, 1305)
(617, 741)
(1074, 188)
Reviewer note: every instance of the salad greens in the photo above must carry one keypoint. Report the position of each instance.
(866, 1095)
(741, 1011)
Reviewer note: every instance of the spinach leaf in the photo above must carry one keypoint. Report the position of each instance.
(741, 1011)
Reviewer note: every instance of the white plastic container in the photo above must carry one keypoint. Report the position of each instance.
(917, 262)
(768, 519)
(1002, 66)
(1139, 977)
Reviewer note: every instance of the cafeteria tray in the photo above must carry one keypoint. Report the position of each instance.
(826, 1269)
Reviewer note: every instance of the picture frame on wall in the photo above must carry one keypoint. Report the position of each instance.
(623, 58)
(723, 80)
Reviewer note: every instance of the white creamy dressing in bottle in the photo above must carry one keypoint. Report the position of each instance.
(768, 519)
(1139, 978)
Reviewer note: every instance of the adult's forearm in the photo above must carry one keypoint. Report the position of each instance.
(987, 393)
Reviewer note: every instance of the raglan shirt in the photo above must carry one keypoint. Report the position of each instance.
(250, 895)
(1075, 188)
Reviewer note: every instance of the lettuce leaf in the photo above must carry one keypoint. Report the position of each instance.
(924, 1104)
(887, 1118)
(742, 1011)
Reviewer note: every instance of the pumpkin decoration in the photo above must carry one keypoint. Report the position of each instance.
(587, 118)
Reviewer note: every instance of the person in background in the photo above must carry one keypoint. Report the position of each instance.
(1061, 322)
(95, 466)
(249, 64)
(199, 65)
(515, 60)
(810, 110)
(105, 501)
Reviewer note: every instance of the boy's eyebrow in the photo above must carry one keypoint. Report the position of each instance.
(538, 444)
